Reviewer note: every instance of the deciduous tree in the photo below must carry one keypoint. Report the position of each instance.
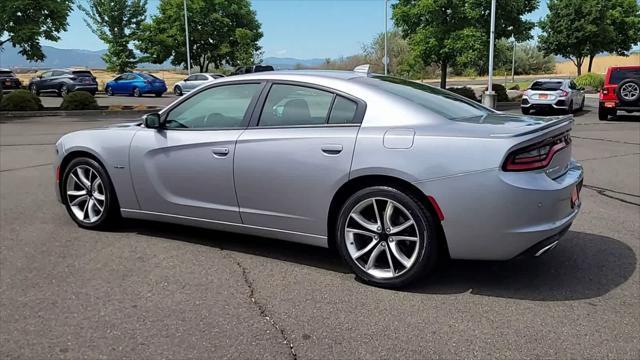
(220, 32)
(450, 32)
(23, 23)
(116, 23)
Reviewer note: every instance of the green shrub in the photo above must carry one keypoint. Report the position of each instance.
(595, 81)
(79, 100)
(20, 100)
(500, 91)
(464, 91)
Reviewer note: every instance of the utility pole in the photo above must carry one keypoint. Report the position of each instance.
(386, 59)
(186, 31)
(513, 61)
(489, 97)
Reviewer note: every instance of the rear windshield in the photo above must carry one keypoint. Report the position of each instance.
(618, 75)
(441, 102)
(83, 73)
(6, 72)
(546, 85)
(260, 68)
(148, 76)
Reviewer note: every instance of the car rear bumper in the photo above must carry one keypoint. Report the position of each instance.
(561, 104)
(153, 89)
(84, 87)
(496, 215)
(616, 105)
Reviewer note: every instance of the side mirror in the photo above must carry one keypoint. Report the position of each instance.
(185, 79)
(152, 121)
(581, 88)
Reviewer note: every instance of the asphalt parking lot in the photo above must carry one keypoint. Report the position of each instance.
(150, 290)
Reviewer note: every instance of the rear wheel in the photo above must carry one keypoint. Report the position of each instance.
(526, 111)
(158, 94)
(177, 90)
(108, 91)
(64, 90)
(603, 113)
(386, 236)
(88, 194)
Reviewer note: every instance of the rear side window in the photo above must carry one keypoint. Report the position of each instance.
(436, 100)
(147, 76)
(260, 68)
(343, 111)
(292, 105)
(618, 75)
(546, 85)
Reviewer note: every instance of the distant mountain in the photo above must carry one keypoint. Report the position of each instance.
(63, 58)
(290, 63)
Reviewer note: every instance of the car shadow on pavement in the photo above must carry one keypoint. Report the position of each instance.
(625, 117)
(271, 248)
(582, 266)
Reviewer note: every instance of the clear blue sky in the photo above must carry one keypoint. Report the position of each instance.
(300, 29)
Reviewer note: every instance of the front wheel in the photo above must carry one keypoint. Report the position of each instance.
(526, 111)
(64, 90)
(88, 194)
(137, 92)
(177, 91)
(34, 90)
(387, 237)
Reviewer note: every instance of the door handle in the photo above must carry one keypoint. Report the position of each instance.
(331, 149)
(220, 151)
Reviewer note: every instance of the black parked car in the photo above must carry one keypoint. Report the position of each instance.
(8, 80)
(251, 69)
(63, 82)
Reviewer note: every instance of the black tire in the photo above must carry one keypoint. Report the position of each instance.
(569, 109)
(137, 92)
(177, 91)
(111, 208)
(34, 89)
(632, 97)
(64, 90)
(603, 113)
(158, 94)
(582, 105)
(427, 245)
(108, 91)
(526, 111)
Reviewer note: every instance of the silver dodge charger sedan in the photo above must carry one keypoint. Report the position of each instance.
(392, 173)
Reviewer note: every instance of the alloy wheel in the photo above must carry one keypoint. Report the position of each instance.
(34, 89)
(86, 194)
(629, 91)
(382, 237)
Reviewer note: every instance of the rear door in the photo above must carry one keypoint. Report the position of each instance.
(190, 83)
(295, 156)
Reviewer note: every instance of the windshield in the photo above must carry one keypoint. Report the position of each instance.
(441, 102)
(546, 85)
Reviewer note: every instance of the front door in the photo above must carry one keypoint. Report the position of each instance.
(186, 168)
(289, 166)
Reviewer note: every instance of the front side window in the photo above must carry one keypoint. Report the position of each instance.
(218, 107)
(45, 74)
(292, 105)
(191, 78)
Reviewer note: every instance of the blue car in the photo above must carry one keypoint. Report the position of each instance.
(136, 84)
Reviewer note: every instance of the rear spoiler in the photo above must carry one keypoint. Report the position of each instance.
(549, 122)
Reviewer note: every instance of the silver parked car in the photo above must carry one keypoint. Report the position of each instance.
(193, 81)
(553, 94)
(392, 173)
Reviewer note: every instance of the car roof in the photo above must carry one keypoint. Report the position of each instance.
(302, 75)
(3, 69)
(625, 67)
(551, 80)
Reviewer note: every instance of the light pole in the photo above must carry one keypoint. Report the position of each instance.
(513, 61)
(385, 59)
(489, 97)
(186, 31)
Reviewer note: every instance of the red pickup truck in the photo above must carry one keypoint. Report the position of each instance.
(621, 91)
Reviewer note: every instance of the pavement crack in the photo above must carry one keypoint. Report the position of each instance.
(27, 167)
(604, 192)
(258, 305)
(607, 140)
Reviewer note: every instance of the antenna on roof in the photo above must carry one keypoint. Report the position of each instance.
(362, 69)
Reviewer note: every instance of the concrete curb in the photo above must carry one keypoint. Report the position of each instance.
(22, 114)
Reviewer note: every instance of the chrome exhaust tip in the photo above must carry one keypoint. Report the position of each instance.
(546, 248)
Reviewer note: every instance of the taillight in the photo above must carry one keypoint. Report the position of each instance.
(536, 156)
(563, 93)
(605, 91)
